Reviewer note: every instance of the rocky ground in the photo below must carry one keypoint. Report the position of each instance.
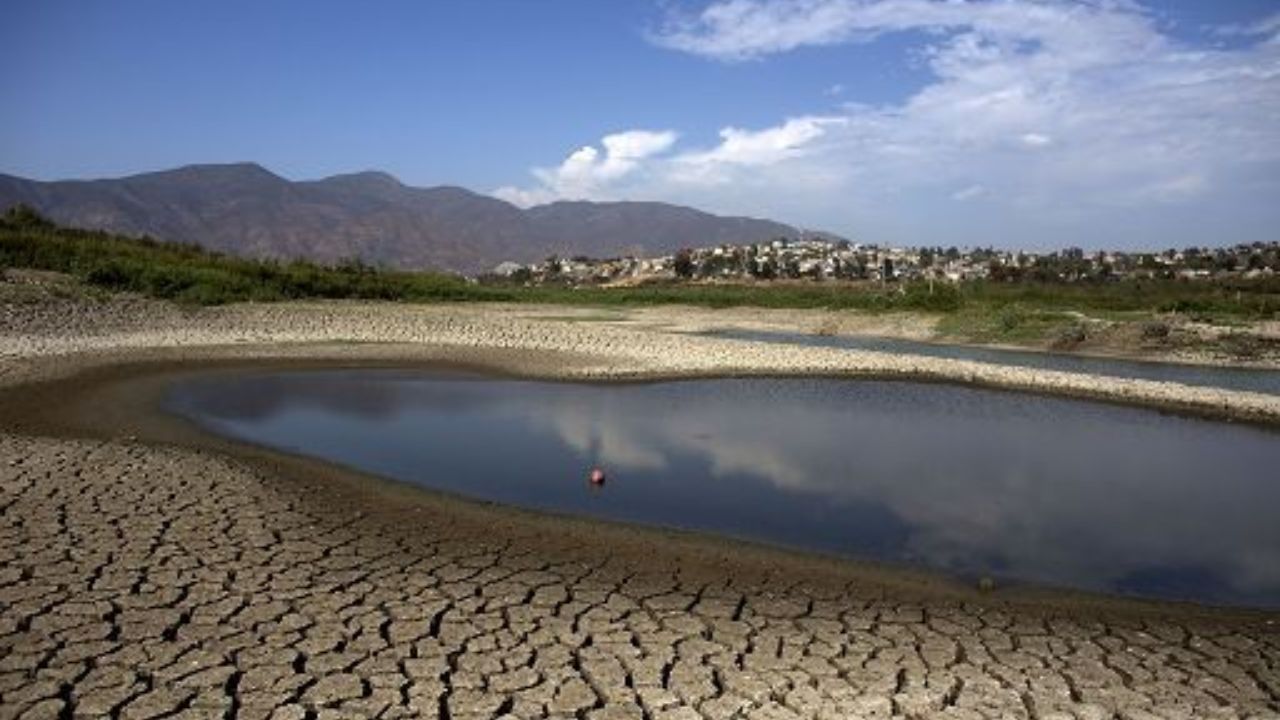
(166, 575)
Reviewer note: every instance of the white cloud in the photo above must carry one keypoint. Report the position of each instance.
(1175, 189)
(969, 193)
(764, 147)
(1269, 25)
(1066, 112)
(525, 197)
(587, 172)
(741, 148)
(627, 147)
(1035, 140)
(746, 29)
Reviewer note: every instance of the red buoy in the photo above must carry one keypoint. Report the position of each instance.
(597, 476)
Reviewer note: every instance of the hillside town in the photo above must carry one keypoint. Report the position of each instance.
(821, 259)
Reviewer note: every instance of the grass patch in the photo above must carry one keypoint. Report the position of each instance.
(1013, 323)
(833, 296)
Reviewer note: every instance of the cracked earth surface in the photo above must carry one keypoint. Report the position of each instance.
(160, 578)
(140, 581)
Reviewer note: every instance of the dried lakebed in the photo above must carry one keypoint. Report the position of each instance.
(149, 571)
(970, 481)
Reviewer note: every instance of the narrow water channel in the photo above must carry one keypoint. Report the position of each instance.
(1249, 379)
(968, 481)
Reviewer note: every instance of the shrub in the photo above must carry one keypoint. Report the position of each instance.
(23, 215)
(1070, 336)
(1010, 317)
(1155, 330)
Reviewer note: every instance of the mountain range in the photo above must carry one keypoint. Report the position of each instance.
(245, 209)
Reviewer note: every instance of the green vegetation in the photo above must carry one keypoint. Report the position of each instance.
(186, 273)
(1022, 311)
(1223, 298)
(833, 296)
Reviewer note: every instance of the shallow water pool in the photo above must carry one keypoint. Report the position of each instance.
(968, 481)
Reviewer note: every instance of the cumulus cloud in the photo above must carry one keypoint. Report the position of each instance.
(588, 171)
(739, 148)
(1065, 112)
(763, 147)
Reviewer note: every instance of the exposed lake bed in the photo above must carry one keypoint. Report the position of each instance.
(227, 534)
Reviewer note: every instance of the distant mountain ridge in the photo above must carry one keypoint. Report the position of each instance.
(245, 209)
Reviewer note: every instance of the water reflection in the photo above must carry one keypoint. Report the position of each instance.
(966, 480)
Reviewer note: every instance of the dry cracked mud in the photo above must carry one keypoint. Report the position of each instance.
(156, 577)
(140, 581)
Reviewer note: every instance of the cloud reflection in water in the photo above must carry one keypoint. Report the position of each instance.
(967, 480)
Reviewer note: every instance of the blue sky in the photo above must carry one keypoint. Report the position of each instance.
(1013, 123)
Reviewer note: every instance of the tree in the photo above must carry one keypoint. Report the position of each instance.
(769, 269)
(23, 215)
(684, 264)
